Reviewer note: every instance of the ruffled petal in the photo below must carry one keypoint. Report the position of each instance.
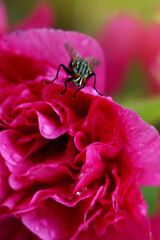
(143, 146)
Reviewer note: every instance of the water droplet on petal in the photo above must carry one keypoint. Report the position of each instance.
(81, 175)
(32, 177)
(37, 228)
(139, 153)
(44, 222)
(52, 234)
(16, 157)
(85, 227)
(4, 146)
(85, 189)
(56, 104)
(47, 130)
(84, 42)
(78, 193)
(70, 198)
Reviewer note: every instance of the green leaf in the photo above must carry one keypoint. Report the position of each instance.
(148, 108)
(150, 194)
(88, 16)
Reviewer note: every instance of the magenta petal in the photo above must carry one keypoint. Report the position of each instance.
(155, 223)
(50, 128)
(93, 169)
(4, 187)
(15, 149)
(13, 200)
(29, 44)
(3, 20)
(40, 17)
(143, 147)
(12, 153)
(126, 229)
(52, 172)
(129, 229)
(53, 220)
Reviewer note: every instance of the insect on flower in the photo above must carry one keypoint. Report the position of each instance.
(80, 69)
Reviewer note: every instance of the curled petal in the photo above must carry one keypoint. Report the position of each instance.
(53, 220)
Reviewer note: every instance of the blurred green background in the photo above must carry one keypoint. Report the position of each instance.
(87, 16)
(82, 15)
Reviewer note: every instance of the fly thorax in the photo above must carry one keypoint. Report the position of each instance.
(80, 66)
(80, 72)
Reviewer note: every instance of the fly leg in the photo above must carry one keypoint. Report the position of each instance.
(78, 90)
(65, 69)
(68, 80)
(93, 74)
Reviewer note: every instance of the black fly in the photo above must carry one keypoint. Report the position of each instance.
(80, 69)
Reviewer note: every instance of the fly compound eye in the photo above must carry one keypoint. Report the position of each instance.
(76, 75)
(74, 64)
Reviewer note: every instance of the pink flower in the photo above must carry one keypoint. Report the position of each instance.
(150, 56)
(3, 20)
(41, 16)
(126, 39)
(121, 39)
(69, 168)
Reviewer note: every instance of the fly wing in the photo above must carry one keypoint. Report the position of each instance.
(93, 62)
(72, 52)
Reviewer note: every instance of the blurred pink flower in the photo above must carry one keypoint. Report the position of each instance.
(3, 20)
(126, 40)
(150, 56)
(121, 39)
(69, 168)
(40, 17)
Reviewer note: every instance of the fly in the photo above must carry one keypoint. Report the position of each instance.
(80, 69)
